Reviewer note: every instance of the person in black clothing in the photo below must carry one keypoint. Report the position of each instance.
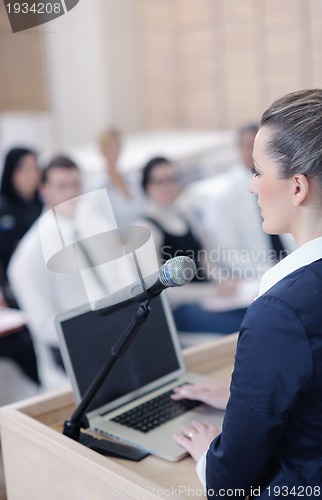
(161, 186)
(175, 233)
(20, 205)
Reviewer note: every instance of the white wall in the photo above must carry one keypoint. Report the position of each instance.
(77, 88)
(122, 66)
(91, 61)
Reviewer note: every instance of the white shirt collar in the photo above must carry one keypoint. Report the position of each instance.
(302, 256)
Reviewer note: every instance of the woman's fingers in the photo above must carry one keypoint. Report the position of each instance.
(196, 438)
(212, 392)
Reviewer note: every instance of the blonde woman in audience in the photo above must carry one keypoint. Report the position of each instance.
(123, 190)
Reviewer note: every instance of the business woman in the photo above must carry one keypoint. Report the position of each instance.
(20, 202)
(271, 440)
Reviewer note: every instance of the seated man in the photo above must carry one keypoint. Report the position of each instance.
(72, 256)
(40, 292)
(232, 221)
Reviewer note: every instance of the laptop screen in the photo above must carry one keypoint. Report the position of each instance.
(153, 358)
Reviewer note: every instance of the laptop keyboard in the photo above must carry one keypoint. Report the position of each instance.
(155, 412)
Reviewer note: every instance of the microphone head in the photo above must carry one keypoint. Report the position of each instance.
(177, 271)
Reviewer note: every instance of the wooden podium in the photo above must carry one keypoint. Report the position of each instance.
(41, 463)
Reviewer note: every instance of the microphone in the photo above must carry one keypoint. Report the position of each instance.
(175, 272)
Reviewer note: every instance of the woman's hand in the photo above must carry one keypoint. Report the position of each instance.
(211, 392)
(196, 438)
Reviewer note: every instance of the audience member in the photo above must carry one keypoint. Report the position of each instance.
(20, 203)
(123, 190)
(175, 234)
(42, 293)
(271, 438)
(232, 219)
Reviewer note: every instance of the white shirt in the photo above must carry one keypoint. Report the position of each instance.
(69, 257)
(42, 294)
(306, 254)
(230, 216)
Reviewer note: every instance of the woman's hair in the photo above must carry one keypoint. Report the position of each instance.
(109, 136)
(295, 124)
(11, 164)
(149, 167)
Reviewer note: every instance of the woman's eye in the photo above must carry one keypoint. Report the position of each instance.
(254, 172)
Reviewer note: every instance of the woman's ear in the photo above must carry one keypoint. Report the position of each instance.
(300, 188)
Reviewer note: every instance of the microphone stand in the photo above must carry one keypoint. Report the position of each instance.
(78, 420)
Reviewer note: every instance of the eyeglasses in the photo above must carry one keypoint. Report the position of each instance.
(163, 182)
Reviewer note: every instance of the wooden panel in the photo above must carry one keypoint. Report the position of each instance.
(192, 13)
(243, 53)
(154, 13)
(22, 83)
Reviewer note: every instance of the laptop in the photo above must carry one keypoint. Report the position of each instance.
(151, 368)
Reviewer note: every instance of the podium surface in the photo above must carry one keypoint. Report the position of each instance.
(41, 463)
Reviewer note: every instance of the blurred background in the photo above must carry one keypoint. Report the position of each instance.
(177, 77)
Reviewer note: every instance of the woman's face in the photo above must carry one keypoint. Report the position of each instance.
(275, 195)
(26, 177)
(162, 185)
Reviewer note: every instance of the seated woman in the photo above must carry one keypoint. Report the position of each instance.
(20, 205)
(174, 234)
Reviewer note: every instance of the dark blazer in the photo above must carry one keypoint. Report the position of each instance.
(272, 431)
(16, 217)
